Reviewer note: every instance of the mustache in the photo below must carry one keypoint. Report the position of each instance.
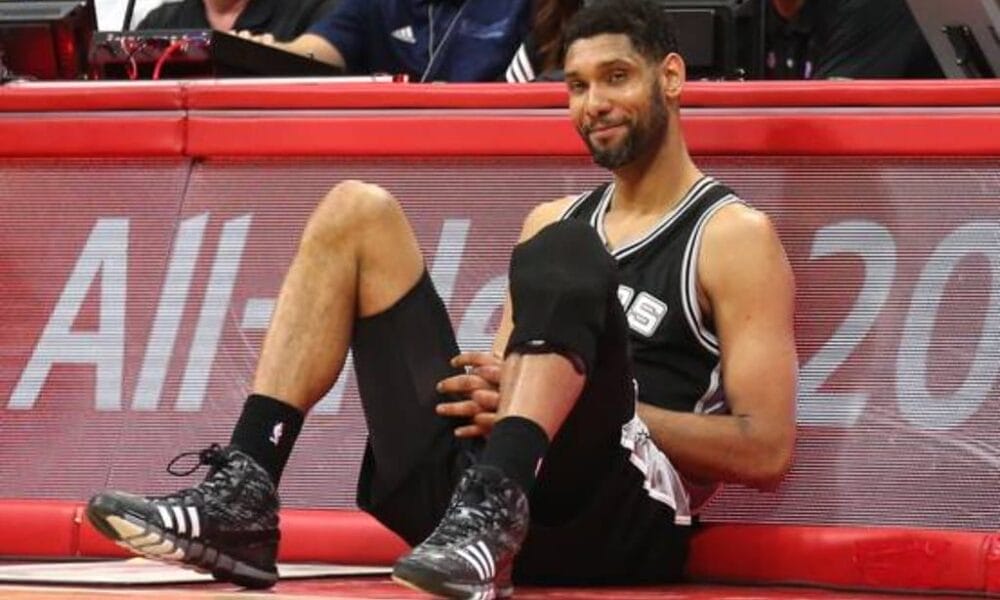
(601, 124)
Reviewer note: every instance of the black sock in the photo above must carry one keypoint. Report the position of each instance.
(516, 446)
(266, 431)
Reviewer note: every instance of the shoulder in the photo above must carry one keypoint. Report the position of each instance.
(543, 214)
(738, 221)
(740, 246)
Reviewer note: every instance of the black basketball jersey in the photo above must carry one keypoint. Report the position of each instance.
(675, 352)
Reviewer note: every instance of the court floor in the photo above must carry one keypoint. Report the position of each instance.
(382, 587)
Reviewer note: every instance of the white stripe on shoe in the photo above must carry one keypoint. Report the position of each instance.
(195, 523)
(181, 521)
(480, 570)
(168, 521)
(490, 564)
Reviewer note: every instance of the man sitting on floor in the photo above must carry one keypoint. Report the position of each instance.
(645, 355)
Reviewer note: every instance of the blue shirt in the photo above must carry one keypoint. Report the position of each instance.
(430, 40)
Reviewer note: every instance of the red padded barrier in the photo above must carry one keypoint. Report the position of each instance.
(326, 94)
(286, 133)
(219, 133)
(871, 558)
(724, 118)
(882, 559)
(882, 93)
(93, 544)
(319, 94)
(337, 536)
(37, 528)
(66, 96)
(92, 134)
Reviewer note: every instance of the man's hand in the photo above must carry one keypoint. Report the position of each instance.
(309, 45)
(261, 38)
(479, 388)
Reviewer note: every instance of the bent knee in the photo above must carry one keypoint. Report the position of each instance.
(350, 205)
(567, 259)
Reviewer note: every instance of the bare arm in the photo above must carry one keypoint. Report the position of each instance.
(307, 44)
(747, 285)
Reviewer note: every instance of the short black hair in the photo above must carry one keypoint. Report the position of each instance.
(645, 22)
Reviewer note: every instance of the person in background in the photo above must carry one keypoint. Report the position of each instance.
(282, 19)
(539, 58)
(427, 40)
(861, 39)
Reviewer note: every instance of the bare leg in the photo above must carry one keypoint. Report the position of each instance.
(357, 257)
(540, 387)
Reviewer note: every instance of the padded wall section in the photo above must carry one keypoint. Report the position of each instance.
(885, 559)
(82, 263)
(897, 262)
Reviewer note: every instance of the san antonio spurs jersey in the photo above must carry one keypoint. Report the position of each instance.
(675, 351)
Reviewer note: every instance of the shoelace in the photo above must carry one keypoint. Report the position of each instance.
(451, 530)
(464, 519)
(213, 456)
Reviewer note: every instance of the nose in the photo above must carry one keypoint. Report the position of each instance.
(597, 104)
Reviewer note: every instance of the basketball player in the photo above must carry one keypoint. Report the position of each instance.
(645, 355)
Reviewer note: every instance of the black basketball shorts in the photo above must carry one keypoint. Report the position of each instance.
(593, 519)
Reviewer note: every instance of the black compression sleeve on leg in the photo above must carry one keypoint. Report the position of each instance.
(561, 281)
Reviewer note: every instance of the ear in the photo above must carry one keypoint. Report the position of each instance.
(673, 74)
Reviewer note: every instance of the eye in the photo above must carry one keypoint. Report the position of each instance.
(617, 76)
(576, 87)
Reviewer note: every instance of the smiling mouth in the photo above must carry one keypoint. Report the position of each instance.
(605, 133)
(606, 128)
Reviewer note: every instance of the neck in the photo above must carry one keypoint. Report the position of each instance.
(657, 183)
(222, 14)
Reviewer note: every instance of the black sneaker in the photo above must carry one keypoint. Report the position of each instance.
(227, 525)
(471, 552)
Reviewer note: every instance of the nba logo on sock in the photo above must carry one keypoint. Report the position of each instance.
(276, 433)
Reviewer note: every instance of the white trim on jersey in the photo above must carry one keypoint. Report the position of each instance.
(602, 206)
(713, 387)
(719, 406)
(692, 196)
(689, 278)
(573, 205)
(662, 481)
(520, 70)
(592, 219)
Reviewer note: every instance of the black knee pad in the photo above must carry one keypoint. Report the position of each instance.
(562, 284)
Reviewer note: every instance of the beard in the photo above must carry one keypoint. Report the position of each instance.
(640, 137)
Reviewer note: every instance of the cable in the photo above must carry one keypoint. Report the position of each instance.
(174, 47)
(434, 53)
(132, 69)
